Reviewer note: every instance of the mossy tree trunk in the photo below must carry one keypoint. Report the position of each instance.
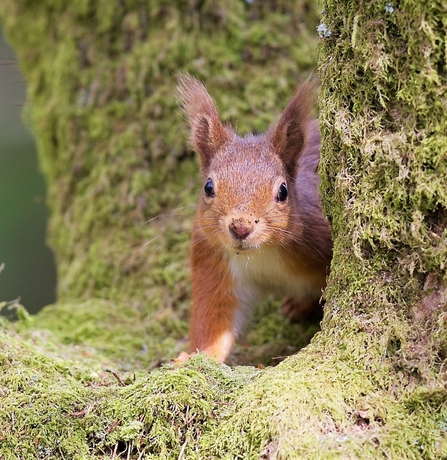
(372, 383)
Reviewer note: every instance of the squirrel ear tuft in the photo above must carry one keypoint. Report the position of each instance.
(207, 131)
(289, 136)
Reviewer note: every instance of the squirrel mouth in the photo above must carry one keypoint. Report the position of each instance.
(237, 248)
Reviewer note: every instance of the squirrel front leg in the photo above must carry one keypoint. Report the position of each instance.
(212, 328)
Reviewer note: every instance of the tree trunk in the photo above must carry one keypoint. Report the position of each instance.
(100, 81)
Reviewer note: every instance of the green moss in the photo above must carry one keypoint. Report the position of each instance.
(323, 403)
(54, 408)
(101, 89)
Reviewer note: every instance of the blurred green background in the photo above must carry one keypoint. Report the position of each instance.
(29, 271)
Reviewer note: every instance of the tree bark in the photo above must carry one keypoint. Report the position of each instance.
(100, 81)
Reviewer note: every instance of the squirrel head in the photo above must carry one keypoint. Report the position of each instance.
(248, 195)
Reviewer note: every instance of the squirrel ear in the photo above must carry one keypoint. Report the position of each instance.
(207, 131)
(289, 137)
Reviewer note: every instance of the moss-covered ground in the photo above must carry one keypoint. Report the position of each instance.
(70, 402)
(82, 380)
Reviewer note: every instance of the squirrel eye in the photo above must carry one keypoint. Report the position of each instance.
(282, 192)
(209, 188)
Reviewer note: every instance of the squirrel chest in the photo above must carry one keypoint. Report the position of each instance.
(265, 271)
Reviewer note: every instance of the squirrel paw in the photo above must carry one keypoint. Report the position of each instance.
(182, 357)
(296, 311)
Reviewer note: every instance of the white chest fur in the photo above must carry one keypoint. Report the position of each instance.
(264, 272)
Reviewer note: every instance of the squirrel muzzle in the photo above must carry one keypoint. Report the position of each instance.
(240, 228)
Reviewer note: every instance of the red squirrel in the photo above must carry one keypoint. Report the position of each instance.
(259, 227)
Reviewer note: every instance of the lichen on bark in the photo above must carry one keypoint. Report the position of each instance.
(100, 81)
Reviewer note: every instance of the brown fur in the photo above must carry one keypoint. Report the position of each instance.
(247, 241)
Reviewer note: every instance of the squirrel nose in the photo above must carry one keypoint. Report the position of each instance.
(240, 229)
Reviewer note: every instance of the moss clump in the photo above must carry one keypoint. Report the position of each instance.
(317, 407)
(60, 408)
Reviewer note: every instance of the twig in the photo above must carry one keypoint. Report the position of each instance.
(114, 451)
(182, 451)
(116, 376)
